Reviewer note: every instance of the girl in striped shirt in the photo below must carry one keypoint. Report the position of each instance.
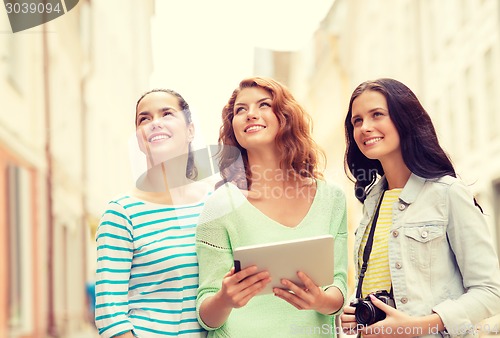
(147, 271)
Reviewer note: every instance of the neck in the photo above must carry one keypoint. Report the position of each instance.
(265, 169)
(396, 173)
(164, 177)
(268, 175)
(157, 186)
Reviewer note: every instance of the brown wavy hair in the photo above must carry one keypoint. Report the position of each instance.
(300, 155)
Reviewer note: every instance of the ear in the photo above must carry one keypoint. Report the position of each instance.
(190, 132)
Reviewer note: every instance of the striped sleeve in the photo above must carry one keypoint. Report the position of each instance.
(115, 247)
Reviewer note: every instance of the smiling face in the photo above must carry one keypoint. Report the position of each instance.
(374, 132)
(254, 122)
(161, 127)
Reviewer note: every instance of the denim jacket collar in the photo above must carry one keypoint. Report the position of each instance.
(412, 189)
(409, 194)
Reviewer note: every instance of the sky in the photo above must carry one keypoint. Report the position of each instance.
(202, 49)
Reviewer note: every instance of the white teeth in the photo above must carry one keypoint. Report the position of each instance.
(373, 140)
(254, 128)
(159, 137)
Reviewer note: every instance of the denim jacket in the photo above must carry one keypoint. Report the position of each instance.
(441, 255)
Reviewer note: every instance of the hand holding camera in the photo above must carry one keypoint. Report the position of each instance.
(376, 315)
(366, 313)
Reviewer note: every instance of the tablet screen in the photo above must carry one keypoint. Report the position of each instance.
(313, 256)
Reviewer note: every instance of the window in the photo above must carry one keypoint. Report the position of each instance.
(15, 60)
(464, 10)
(471, 107)
(491, 97)
(451, 121)
(20, 275)
(496, 208)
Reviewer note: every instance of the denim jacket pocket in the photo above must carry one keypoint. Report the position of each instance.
(424, 240)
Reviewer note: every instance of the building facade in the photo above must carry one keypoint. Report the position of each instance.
(69, 89)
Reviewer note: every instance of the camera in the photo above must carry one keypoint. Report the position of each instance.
(366, 313)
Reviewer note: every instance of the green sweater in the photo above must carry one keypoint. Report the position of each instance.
(229, 221)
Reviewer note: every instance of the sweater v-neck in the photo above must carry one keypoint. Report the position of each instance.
(319, 188)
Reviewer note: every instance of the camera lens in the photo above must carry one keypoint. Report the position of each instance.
(364, 313)
(367, 314)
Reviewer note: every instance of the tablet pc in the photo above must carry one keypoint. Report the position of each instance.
(313, 256)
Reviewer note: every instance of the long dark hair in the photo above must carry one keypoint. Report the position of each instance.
(191, 170)
(299, 153)
(420, 147)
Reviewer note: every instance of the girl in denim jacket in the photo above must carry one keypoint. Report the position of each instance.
(432, 251)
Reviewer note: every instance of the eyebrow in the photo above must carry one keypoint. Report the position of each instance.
(161, 110)
(258, 101)
(370, 111)
(143, 113)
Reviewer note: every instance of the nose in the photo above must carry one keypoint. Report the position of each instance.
(253, 113)
(157, 123)
(366, 126)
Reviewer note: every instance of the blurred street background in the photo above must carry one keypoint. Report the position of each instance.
(69, 88)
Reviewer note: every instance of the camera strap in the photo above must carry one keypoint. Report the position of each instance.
(368, 248)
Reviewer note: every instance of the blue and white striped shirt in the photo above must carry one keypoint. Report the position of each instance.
(147, 271)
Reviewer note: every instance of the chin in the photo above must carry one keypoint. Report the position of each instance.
(371, 156)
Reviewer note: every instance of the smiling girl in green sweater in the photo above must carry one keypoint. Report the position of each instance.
(275, 194)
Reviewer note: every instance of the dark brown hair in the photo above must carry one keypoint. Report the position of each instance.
(191, 170)
(420, 147)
